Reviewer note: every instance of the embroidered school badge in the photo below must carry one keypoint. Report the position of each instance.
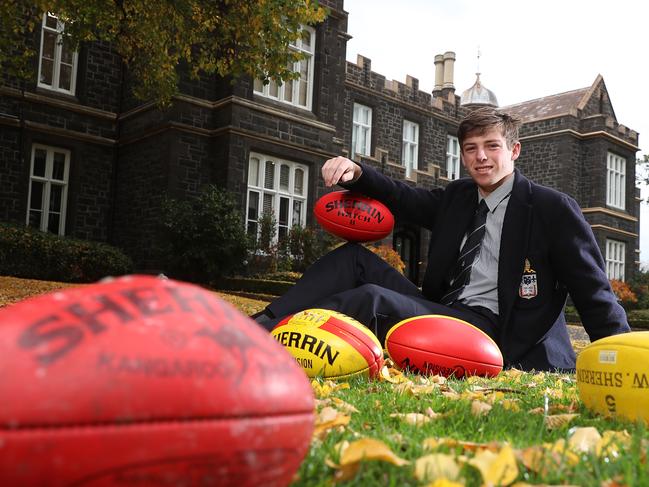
(528, 288)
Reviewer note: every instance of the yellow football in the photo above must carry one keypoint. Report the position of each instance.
(613, 376)
(330, 344)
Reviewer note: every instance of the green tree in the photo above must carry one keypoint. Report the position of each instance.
(226, 37)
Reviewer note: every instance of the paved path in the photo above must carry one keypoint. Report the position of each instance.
(577, 332)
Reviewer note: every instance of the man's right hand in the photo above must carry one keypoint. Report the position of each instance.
(340, 170)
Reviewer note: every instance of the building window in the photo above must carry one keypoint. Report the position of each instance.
(616, 181)
(48, 189)
(615, 252)
(279, 188)
(298, 92)
(410, 146)
(452, 157)
(362, 130)
(57, 68)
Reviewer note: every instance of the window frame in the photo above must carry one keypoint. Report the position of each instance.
(295, 84)
(615, 259)
(364, 128)
(452, 159)
(48, 181)
(56, 61)
(407, 145)
(615, 181)
(277, 193)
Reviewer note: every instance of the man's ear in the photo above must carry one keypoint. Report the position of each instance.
(516, 151)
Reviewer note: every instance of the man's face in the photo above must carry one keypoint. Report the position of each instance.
(488, 160)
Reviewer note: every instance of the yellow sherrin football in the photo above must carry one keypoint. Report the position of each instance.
(330, 344)
(613, 376)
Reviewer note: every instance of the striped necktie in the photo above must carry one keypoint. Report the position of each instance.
(470, 249)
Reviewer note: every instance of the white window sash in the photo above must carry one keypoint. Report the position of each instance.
(616, 181)
(276, 194)
(452, 157)
(48, 181)
(362, 130)
(615, 259)
(409, 154)
(295, 85)
(56, 61)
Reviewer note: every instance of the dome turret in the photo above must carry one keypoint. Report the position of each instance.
(478, 95)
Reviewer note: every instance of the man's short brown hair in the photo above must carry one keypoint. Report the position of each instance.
(481, 120)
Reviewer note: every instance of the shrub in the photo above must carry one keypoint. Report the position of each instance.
(205, 238)
(623, 293)
(29, 253)
(307, 245)
(293, 253)
(389, 255)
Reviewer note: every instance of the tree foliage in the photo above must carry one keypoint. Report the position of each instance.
(224, 37)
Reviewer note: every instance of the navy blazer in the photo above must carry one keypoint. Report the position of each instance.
(542, 226)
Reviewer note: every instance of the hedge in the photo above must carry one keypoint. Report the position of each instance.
(638, 318)
(29, 253)
(257, 286)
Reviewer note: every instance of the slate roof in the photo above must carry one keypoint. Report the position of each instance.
(548, 106)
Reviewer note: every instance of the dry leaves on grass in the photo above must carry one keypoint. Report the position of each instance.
(365, 449)
(14, 289)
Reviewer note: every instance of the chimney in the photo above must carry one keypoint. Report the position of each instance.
(448, 88)
(449, 62)
(439, 74)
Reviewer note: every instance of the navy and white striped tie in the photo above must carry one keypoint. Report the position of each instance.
(470, 249)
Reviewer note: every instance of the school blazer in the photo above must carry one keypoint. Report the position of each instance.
(545, 239)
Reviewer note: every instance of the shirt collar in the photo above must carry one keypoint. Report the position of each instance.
(498, 195)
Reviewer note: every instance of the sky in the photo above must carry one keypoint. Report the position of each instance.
(528, 49)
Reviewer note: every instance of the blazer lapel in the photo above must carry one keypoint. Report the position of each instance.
(513, 246)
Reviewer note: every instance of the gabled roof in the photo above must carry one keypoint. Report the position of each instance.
(548, 106)
(570, 102)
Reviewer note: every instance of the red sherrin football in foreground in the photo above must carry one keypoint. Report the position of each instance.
(442, 345)
(353, 216)
(144, 381)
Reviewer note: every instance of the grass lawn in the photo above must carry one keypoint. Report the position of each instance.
(516, 429)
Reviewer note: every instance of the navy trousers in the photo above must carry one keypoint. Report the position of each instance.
(353, 280)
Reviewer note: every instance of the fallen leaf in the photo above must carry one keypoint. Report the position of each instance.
(554, 393)
(556, 408)
(445, 483)
(558, 420)
(548, 458)
(436, 466)
(338, 449)
(344, 406)
(496, 468)
(511, 405)
(327, 419)
(584, 440)
(392, 375)
(410, 389)
(480, 408)
(327, 387)
(512, 373)
(452, 395)
(611, 443)
(433, 443)
(412, 418)
(370, 449)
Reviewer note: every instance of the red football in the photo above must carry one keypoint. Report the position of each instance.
(442, 345)
(145, 381)
(353, 216)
